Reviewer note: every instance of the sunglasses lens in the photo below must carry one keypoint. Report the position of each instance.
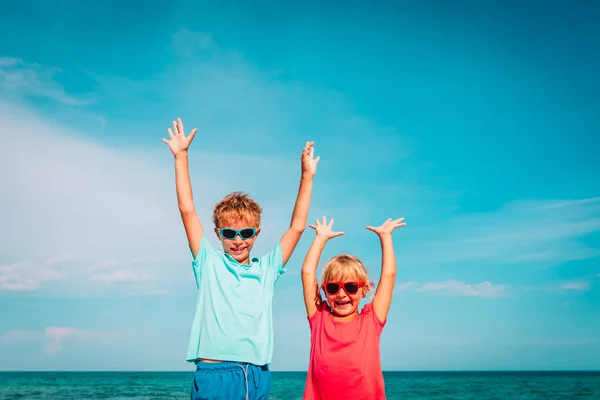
(351, 287)
(332, 288)
(247, 233)
(228, 233)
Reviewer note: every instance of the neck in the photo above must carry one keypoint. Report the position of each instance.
(345, 318)
(245, 261)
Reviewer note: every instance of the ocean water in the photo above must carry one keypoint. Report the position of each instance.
(290, 385)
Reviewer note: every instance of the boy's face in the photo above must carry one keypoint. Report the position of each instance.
(239, 247)
(344, 303)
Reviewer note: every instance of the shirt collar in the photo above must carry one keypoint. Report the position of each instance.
(233, 260)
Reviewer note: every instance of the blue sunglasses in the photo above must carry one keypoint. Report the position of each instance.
(230, 234)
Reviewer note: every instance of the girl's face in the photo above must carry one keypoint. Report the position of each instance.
(344, 295)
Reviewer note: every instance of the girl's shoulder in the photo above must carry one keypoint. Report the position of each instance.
(367, 308)
(368, 313)
(323, 306)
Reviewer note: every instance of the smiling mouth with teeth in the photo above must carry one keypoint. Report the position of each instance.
(342, 303)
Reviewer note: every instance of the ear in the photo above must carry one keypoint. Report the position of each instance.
(364, 291)
(257, 233)
(217, 233)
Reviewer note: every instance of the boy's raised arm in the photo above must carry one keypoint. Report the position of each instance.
(292, 236)
(179, 143)
(310, 286)
(385, 288)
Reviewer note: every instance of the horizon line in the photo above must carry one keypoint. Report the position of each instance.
(304, 371)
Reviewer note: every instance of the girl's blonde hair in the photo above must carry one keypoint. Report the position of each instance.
(346, 266)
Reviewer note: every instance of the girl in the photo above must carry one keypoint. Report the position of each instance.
(344, 352)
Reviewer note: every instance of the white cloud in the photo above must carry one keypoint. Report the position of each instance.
(568, 203)
(565, 342)
(404, 286)
(56, 337)
(71, 194)
(487, 289)
(570, 286)
(576, 285)
(64, 192)
(486, 341)
(29, 274)
(520, 232)
(111, 271)
(19, 77)
(243, 109)
(109, 205)
(124, 275)
(16, 336)
(187, 43)
(458, 288)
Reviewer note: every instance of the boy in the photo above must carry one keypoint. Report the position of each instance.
(231, 340)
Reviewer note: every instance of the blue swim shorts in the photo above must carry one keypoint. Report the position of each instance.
(231, 381)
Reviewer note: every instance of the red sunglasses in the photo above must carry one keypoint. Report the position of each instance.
(349, 287)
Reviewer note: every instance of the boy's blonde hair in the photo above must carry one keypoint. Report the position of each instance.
(237, 206)
(346, 266)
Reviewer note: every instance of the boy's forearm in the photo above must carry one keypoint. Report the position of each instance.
(388, 258)
(183, 185)
(302, 206)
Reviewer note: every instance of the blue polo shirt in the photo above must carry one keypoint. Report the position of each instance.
(234, 316)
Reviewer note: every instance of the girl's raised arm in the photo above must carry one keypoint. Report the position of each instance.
(310, 285)
(385, 288)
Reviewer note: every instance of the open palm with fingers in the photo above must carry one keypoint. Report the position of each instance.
(388, 226)
(178, 142)
(324, 229)
(309, 163)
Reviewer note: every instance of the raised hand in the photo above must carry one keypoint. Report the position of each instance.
(324, 229)
(387, 227)
(309, 163)
(178, 142)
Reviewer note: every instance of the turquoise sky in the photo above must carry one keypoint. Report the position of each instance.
(476, 121)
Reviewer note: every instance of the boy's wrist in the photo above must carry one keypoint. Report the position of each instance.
(307, 175)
